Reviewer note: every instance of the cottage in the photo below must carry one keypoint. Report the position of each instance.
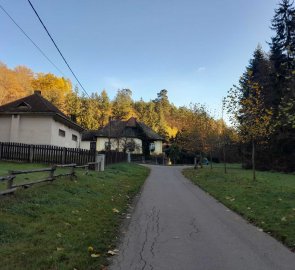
(124, 136)
(34, 120)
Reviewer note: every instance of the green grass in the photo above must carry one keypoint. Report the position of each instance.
(51, 225)
(269, 202)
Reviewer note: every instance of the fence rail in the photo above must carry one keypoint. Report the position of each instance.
(45, 153)
(11, 187)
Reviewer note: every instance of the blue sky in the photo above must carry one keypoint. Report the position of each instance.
(196, 49)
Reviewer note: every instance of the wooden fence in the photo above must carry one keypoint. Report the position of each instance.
(45, 153)
(156, 160)
(11, 186)
(112, 157)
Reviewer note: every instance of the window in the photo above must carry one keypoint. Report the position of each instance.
(61, 133)
(107, 146)
(152, 147)
(74, 137)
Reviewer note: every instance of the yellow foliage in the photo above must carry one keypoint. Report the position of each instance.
(53, 88)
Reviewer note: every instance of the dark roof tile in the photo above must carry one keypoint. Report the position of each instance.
(130, 129)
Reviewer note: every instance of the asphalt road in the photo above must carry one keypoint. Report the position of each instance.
(177, 226)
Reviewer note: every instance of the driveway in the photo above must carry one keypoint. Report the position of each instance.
(177, 226)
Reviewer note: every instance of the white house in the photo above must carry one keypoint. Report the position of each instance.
(130, 136)
(34, 120)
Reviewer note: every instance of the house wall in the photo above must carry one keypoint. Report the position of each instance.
(5, 126)
(158, 148)
(85, 145)
(66, 141)
(118, 144)
(32, 129)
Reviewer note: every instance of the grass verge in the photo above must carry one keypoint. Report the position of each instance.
(269, 202)
(66, 224)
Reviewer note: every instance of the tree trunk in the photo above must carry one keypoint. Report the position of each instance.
(211, 166)
(224, 159)
(201, 160)
(253, 160)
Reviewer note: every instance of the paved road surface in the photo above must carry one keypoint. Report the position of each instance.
(177, 226)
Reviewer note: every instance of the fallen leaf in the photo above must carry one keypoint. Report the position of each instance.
(115, 210)
(113, 252)
(95, 255)
(90, 248)
(59, 249)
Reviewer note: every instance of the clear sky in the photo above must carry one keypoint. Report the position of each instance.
(196, 49)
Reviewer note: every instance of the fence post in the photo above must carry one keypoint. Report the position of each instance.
(72, 172)
(100, 158)
(129, 157)
(10, 180)
(195, 163)
(51, 173)
(31, 153)
(1, 150)
(63, 159)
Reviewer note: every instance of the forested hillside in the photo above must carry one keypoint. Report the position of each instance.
(191, 128)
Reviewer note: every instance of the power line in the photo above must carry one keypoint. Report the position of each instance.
(37, 47)
(57, 48)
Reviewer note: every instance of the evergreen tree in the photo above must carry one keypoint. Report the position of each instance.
(104, 107)
(283, 60)
(122, 105)
(283, 79)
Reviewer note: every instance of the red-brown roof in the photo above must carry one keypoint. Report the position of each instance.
(38, 105)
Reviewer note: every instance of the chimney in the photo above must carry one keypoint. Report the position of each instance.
(73, 117)
(37, 92)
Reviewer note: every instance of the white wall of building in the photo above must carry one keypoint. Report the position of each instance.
(67, 140)
(85, 145)
(32, 129)
(5, 126)
(119, 144)
(158, 148)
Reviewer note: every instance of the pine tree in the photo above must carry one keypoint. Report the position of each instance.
(104, 107)
(122, 105)
(283, 60)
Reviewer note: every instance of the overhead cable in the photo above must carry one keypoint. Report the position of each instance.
(37, 47)
(57, 48)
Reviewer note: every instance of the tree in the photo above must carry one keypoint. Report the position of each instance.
(174, 152)
(283, 59)
(53, 88)
(73, 105)
(104, 108)
(14, 84)
(24, 76)
(254, 119)
(122, 105)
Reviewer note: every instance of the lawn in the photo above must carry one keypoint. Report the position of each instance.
(66, 224)
(268, 202)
